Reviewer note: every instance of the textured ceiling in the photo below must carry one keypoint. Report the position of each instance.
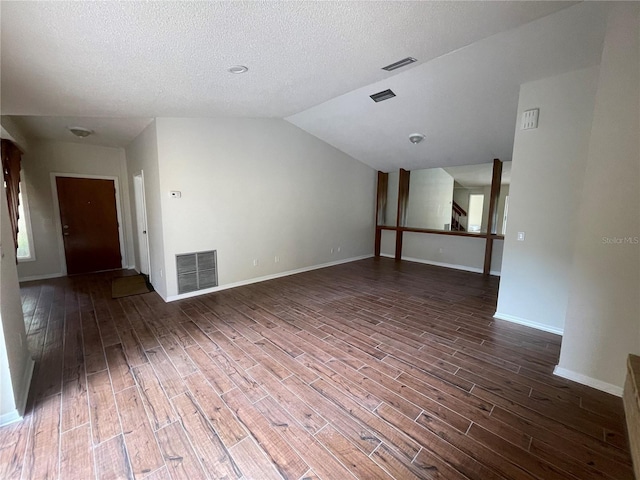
(465, 103)
(108, 131)
(111, 66)
(149, 59)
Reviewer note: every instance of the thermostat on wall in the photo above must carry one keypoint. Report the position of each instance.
(175, 194)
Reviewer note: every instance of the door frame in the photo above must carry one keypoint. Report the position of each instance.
(143, 201)
(58, 221)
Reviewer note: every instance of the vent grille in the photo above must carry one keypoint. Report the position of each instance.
(380, 96)
(197, 271)
(399, 64)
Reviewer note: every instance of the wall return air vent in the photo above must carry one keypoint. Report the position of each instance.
(380, 96)
(197, 271)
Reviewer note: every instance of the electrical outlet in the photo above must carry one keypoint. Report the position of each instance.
(440, 250)
(255, 262)
(331, 250)
(161, 273)
(276, 259)
(521, 236)
(339, 249)
(175, 194)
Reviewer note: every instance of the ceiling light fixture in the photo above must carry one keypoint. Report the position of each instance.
(399, 64)
(237, 69)
(80, 132)
(416, 138)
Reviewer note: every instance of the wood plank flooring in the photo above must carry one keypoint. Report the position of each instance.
(367, 370)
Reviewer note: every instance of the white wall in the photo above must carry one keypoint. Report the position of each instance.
(462, 253)
(257, 189)
(430, 196)
(142, 156)
(16, 364)
(546, 182)
(45, 157)
(603, 314)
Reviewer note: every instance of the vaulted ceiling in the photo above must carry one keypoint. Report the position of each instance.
(313, 63)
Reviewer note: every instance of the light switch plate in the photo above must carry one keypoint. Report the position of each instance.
(530, 119)
(521, 236)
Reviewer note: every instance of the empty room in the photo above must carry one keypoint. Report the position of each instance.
(320, 240)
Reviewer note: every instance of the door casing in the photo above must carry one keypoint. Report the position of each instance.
(141, 223)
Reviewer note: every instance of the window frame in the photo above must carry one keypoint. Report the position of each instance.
(27, 221)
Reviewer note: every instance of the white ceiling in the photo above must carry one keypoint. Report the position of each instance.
(108, 131)
(465, 103)
(312, 62)
(479, 175)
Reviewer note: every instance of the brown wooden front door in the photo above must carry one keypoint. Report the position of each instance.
(89, 224)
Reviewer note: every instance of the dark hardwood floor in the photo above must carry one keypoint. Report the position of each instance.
(367, 370)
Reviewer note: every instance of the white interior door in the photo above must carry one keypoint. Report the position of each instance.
(141, 221)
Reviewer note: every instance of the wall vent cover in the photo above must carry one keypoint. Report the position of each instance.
(380, 96)
(197, 271)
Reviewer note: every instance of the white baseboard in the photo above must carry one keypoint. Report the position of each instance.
(33, 278)
(454, 266)
(172, 298)
(528, 323)
(588, 381)
(21, 400)
(10, 417)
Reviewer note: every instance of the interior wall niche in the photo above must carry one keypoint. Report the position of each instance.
(469, 200)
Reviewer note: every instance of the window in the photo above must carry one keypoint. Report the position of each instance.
(25, 239)
(476, 204)
(506, 211)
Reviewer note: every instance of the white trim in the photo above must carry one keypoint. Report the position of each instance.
(10, 417)
(21, 400)
(588, 381)
(172, 298)
(146, 222)
(27, 221)
(528, 323)
(58, 223)
(48, 276)
(464, 268)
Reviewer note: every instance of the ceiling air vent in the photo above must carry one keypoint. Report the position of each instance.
(399, 64)
(197, 271)
(380, 96)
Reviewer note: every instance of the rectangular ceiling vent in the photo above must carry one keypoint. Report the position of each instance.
(197, 271)
(399, 64)
(380, 96)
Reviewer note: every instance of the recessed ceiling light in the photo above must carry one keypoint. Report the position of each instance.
(80, 131)
(399, 64)
(237, 69)
(416, 138)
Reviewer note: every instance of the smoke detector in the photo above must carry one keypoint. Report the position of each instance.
(80, 131)
(416, 138)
